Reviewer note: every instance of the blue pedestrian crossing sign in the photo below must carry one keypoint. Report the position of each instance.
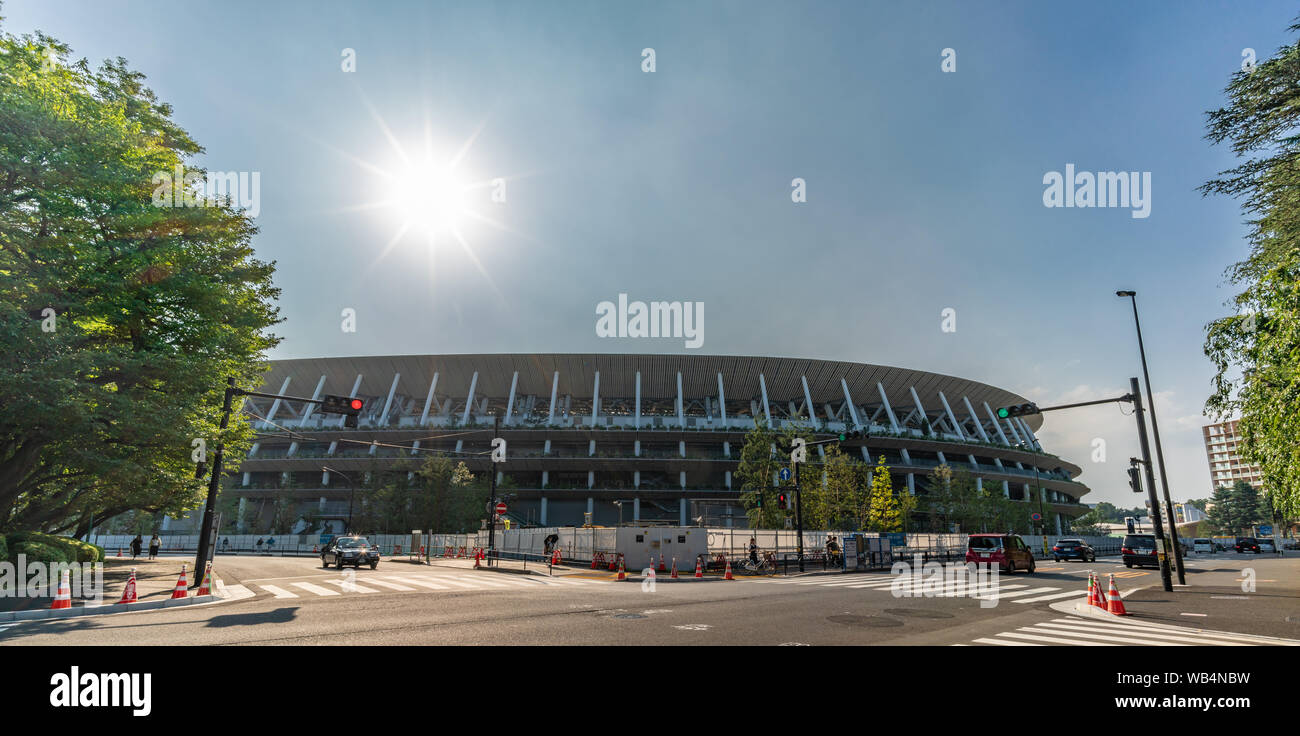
(1265, 530)
(785, 474)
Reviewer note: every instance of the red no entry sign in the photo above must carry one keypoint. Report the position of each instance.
(501, 508)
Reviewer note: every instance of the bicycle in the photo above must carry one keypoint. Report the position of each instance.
(766, 563)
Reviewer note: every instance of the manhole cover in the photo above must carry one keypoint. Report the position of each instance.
(871, 622)
(917, 613)
(628, 615)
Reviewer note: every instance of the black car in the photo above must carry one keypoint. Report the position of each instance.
(354, 551)
(1139, 549)
(1247, 544)
(1073, 549)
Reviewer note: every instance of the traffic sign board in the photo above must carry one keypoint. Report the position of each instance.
(501, 507)
(785, 474)
(1036, 516)
(1265, 530)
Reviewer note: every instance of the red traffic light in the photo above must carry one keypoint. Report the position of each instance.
(781, 501)
(356, 404)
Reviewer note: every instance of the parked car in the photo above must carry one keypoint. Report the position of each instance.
(1073, 549)
(354, 551)
(1139, 549)
(1267, 545)
(1247, 544)
(1202, 544)
(1008, 551)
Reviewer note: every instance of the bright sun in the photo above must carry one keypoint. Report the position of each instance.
(429, 199)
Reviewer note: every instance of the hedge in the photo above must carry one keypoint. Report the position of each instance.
(48, 548)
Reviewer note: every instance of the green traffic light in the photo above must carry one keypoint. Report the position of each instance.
(1003, 413)
(843, 437)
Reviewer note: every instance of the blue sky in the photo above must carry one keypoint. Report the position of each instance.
(924, 188)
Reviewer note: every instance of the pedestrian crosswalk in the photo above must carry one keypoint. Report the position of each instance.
(1078, 631)
(1003, 588)
(320, 586)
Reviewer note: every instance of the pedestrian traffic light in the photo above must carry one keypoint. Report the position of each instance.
(349, 407)
(853, 434)
(1135, 479)
(1018, 410)
(781, 501)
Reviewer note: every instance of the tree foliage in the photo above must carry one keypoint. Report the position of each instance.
(120, 321)
(1236, 508)
(1256, 350)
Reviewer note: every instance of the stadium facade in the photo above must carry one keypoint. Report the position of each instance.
(647, 438)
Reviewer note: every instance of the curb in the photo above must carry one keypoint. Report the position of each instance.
(56, 613)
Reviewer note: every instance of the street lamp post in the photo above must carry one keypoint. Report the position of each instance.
(352, 494)
(1155, 432)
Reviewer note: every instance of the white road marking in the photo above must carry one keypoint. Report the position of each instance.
(1054, 596)
(419, 582)
(1056, 640)
(277, 591)
(386, 584)
(349, 586)
(315, 589)
(999, 642)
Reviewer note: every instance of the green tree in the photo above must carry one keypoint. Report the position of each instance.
(886, 511)
(1235, 508)
(756, 472)
(1256, 350)
(120, 321)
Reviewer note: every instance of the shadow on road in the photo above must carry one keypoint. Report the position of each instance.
(278, 616)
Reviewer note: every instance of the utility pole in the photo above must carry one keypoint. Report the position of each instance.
(1155, 433)
(201, 559)
(1161, 552)
(492, 486)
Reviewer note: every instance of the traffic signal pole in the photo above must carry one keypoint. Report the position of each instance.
(1163, 556)
(201, 559)
(492, 493)
(798, 512)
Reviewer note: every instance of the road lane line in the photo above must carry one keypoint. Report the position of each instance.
(385, 584)
(1057, 640)
(278, 592)
(1125, 639)
(1023, 592)
(1206, 633)
(458, 583)
(310, 588)
(350, 587)
(421, 583)
(999, 642)
(1103, 627)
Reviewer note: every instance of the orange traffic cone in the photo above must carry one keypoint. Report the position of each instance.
(555, 556)
(182, 589)
(119, 551)
(595, 556)
(661, 563)
(622, 574)
(314, 550)
(699, 568)
(613, 563)
(728, 575)
(1100, 598)
(1116, 603)
(128, 595)
(674, 575)
(651, 578)
(204, 586)
(63, 598)
(478, 555)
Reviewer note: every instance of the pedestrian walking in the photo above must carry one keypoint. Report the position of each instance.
(270, 545)
(136, 544)
(154, 544)
(259, 545)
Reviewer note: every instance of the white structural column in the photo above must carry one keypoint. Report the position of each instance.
(722, 402)
(1015, 433)
(681, 411)
(542, 516)
(388, 403)
(762, 386)
(595, 399)
(956, 425)
(893, 420)
(275, 405)
(916, 401)
(681, 512)
(356, 386)
(306, 414)
(550, 408)
(996, 424)
(853, 410)
(807, 396)
(510, 403)
(970, 410)
(469, 400)
(1033, 438)
(428, 400)
(637, 422)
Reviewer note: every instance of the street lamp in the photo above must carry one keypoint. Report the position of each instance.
(619, 504)
(352, 495)
(1155, 432)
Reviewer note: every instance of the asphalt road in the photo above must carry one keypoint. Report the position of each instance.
(294, 601)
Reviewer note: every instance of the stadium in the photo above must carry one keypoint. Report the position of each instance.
(644, 438)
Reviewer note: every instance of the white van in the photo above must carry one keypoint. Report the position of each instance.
(1201, 544)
